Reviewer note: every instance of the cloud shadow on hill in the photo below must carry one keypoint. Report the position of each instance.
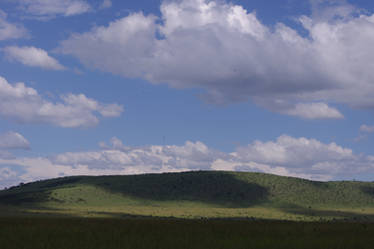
(219, 188)
(210, 187)
(369, 190)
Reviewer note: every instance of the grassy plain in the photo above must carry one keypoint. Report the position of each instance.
(134, 233)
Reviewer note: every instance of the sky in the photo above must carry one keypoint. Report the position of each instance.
(102, 87)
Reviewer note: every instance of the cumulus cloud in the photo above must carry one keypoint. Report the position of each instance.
(10, 30)
(31, 56)
(289, 156)
(367, 128)
(106, 4)
(332, 9)
(314, 111)
(25, 105)
(300, 157)
(293, 152)
(303, 157)
(224, 49)
(43, 9)
(148, 158)
(12, 141)
(8, 177)
(364, 131)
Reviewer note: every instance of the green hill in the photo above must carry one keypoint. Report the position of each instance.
(198, 194)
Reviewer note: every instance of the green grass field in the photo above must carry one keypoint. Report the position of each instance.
(94, 233)
(193, 195)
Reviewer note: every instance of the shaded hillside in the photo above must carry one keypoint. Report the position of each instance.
(190, 191)
(210, 187)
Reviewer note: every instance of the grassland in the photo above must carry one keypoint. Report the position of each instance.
(207, 194)
(94, 233)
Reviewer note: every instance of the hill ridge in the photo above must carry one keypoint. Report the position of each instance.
(195, 193)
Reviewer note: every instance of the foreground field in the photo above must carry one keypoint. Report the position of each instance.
(193, 195)
(193, 210)
(80, 233)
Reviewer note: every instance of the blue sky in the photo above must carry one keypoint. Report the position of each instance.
(127, 87)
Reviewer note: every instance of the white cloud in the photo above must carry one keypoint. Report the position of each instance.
(314, 111)
(148, 158)
(4, 154)
(106, 110)
(131, 38)
(367, 128)
(31, 56)
(289, 156)
(222, 48)
(115, 144)
(10, 30)
(8, 177)
(289, 152)
(329, 9)
(44, 9)
(24, 104)
(106, 4)
(13, 140)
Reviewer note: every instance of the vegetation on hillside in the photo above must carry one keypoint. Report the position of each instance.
(194, 194)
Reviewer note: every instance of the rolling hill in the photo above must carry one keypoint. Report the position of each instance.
(211, 194)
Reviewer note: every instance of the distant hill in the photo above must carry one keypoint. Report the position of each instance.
(212, 194)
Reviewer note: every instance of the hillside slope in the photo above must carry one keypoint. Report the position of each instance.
(193, 194)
